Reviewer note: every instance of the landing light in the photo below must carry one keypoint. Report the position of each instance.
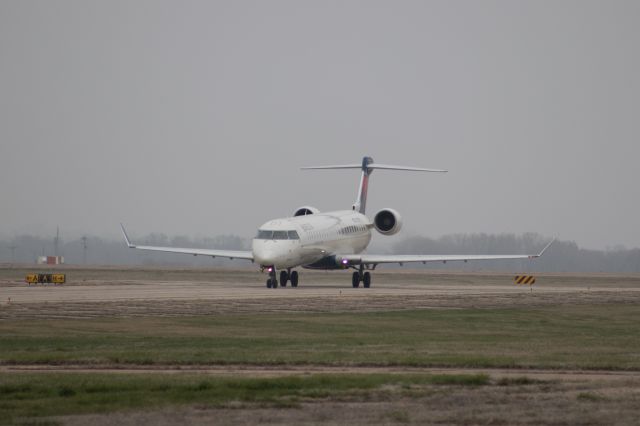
(345, 261)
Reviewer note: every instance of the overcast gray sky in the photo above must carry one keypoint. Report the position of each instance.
(193, 117)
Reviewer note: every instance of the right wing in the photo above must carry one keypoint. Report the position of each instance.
(230, 254)
(373, 259)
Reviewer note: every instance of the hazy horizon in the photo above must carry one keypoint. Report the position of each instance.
(193, 118)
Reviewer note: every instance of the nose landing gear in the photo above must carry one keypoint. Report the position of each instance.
(272, 282)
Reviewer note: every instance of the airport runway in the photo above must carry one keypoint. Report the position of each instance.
(238, 292)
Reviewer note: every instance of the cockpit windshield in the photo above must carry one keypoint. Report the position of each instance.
(280, 235)
(264, 234)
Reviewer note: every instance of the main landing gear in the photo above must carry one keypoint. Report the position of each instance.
(360, 276)
(285, 276)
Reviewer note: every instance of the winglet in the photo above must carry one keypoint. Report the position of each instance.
(546, 247)
(126, 237)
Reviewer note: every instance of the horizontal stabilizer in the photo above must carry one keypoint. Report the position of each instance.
(373, 166)
(411, 169)
(368, 166)
(344, 166)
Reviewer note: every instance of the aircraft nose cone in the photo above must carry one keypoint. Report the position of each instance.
(263, 253)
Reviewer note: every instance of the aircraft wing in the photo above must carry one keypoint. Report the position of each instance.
(373, 259)
(230, 254)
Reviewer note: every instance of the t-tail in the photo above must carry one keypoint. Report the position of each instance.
(367, 167)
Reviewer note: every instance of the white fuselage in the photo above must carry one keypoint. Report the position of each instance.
(304, 240)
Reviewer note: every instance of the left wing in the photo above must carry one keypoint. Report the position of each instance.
(230, 254)
(373, 259)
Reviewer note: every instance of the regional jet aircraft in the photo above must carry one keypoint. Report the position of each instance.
(332, 240)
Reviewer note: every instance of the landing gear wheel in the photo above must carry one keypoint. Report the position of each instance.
(272, 282)
(355, 280)
(294, 279)
(284, 276)
(366, 279)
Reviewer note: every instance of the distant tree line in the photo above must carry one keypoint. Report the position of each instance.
(100, 251)
(562, 256)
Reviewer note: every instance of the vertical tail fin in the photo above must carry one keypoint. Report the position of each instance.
(361, 202)
(367, 168)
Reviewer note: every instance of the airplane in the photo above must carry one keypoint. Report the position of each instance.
(334, 240)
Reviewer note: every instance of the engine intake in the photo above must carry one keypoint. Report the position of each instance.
(387, 222)
(305, 210)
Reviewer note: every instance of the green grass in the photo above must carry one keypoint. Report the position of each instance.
(590, 397)
(517, 381)
(588, 337)
(599, 336)
(42, 395)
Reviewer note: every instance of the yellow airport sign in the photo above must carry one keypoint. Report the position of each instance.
(525, 279)
(45, 279)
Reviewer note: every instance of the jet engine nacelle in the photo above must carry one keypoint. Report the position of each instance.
(305, 210)
(387, 222)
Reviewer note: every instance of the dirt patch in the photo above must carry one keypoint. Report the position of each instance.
(496, 374)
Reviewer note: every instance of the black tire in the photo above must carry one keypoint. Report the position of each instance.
(355, 280)
(269, 283)
(284, 276)
(366, 279)
(294, 278)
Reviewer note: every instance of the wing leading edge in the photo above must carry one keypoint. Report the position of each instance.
(372, 259)
(229, 254)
